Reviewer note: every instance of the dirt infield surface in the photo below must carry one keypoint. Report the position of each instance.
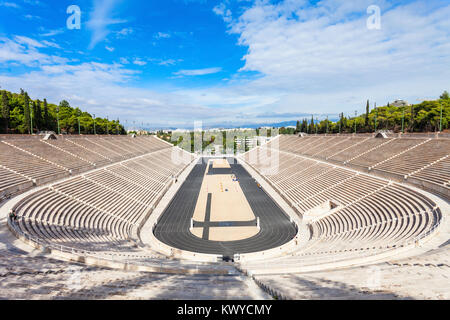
(227, 203)
(222, 226)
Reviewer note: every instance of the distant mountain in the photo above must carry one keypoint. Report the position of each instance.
(277, 124)
(252, 125)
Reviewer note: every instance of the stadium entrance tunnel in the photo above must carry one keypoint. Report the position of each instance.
(220, 209)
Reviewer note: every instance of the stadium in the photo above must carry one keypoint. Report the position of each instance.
(217, 158)
(351, 216)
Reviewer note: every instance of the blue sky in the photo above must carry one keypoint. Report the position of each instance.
(157, 38)
(224, 62)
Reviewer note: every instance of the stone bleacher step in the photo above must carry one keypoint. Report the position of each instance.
(331, 168)
(83, 147)
(35, 155)
(16, 172)
(370, 150)
(428, 165)
(331, 146)
(129, 180)
(112, 190)
(399, 154)
(331, 186)
(110, 150)
(68, 152)
(318, 145)
(345, 149)
(137, 172)
(92, 206)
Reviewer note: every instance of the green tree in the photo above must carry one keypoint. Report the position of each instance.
(445, 95)
(5, 110)
(366, 120)
(411, 120)
(37, 115)
(46, 117)
(26, 113)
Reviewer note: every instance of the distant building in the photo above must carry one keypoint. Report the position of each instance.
(248, 142)
(263, 140)
(399, 103)
(138, 132)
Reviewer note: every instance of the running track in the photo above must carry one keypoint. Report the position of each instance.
(173, 225)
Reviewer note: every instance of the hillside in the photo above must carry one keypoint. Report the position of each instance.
(422, 117)
(21, 114)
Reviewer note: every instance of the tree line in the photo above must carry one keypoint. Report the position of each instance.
(23, 115)
(428, 116)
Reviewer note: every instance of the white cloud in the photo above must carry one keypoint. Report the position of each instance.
(51, 44)
(9, 4)
(52, 33)
(221, 10)
(323, 58)
(28, 41)
(162, 35)
(124, 32)
(110, 49)
(100, 19)
(25, 51)
(165, 62)
(197, 72)
(169, 62)
(106, 91)
(139, 62)
(33, 2)
(300, 59)
(103, 89)
(31, 17)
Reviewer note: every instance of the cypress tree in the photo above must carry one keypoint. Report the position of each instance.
(46, 119)
(38, 115)
(26, 112)
(366, 121)
(411, 121)
(33, 116)
(5, 110)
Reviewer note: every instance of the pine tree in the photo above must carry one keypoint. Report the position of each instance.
(298, 128)
(366, 121)
(5, 110)
(46, 123)
(33, 115)
(38, 115)
(312, 125)
(26, 112)
(411, 120)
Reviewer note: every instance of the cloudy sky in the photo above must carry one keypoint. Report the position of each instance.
(225, 62)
